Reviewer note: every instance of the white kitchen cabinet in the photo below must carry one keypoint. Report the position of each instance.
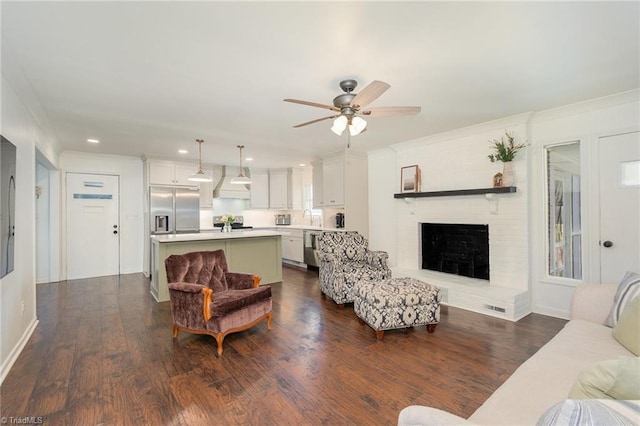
(318, 185)
(293, 245)
(278, 189)
(345, 189)
(182, 173)
(295, 178)
(170, 173)
(333, 181)
(161, 173)
(259, 189)
(307, 189)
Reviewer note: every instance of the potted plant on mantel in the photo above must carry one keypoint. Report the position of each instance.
(505, 151)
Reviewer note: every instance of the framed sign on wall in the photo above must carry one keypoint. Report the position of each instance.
(410, 179)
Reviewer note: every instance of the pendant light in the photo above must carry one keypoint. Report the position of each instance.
(241, 179)
(200, 176)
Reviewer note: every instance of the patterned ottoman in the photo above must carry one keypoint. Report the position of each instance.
(397, 303)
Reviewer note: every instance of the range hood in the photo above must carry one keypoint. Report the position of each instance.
(226, 189)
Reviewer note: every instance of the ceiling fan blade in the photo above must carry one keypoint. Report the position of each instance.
(390, 111)
(370, 93)
(316, 120)
(313, 104)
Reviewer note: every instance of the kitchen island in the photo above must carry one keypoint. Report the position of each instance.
(254, 252)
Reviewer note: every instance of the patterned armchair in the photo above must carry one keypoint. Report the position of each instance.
(344, 260)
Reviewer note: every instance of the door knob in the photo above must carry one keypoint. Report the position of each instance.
(607, 244)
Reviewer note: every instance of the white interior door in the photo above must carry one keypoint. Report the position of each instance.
(93, 230)
(619, 158)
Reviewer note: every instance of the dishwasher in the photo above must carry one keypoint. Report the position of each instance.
(310, 247)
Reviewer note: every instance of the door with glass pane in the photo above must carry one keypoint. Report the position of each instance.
(93, 234)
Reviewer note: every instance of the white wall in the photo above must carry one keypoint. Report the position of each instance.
(131, 201)
(451, 161)
(457, 160)
(43, 245)
(585, 122)
(17, 289)
(383, 183)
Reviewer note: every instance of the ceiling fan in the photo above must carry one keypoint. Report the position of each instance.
(351, 107)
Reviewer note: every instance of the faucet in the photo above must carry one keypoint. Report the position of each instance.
(310, 216)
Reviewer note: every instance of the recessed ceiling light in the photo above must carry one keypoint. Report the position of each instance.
(183, 151)
(249, 159)
(93, 141)
(301, 164)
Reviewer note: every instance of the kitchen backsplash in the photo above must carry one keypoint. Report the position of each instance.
(267, 217)
(258, 218)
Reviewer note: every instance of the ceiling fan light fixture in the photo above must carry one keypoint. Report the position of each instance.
(351, 107)
(199, 176)
(339, 124)
(241, 179)
(357, 126)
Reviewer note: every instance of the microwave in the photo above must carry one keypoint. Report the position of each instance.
(283, 219)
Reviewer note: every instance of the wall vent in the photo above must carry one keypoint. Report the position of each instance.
(495, 308)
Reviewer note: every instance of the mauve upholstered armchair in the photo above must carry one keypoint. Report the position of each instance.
(208, 299)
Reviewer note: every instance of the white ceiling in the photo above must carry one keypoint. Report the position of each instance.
(151, 77)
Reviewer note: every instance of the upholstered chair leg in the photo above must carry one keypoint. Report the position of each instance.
(175, 331)
(340, 305)
(219, 339)
(379, 334)
(324, 296)
(269, 316)
(431, 328)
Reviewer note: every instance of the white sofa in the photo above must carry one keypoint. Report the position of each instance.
(547, 377)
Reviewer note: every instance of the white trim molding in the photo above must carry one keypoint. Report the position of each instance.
(17, 350)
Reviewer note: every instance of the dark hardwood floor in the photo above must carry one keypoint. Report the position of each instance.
(103, 354)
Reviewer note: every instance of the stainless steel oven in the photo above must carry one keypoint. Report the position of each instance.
(310, 247)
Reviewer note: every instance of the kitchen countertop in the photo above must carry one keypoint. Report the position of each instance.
(303, 227)
(280, 228)
(214, 235)
(257, 252)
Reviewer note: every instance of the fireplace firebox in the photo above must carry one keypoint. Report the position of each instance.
(459, 249)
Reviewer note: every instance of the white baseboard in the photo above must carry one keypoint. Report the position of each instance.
(551, 312)
(13, 356)
(294, 263)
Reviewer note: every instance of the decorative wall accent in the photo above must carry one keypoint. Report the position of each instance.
(410, 179)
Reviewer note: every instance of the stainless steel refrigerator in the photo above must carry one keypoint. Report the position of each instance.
(174, 210)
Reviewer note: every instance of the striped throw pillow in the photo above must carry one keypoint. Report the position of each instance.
(628, 288)
(591, 412)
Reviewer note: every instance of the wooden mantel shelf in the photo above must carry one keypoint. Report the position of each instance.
(457, 192)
